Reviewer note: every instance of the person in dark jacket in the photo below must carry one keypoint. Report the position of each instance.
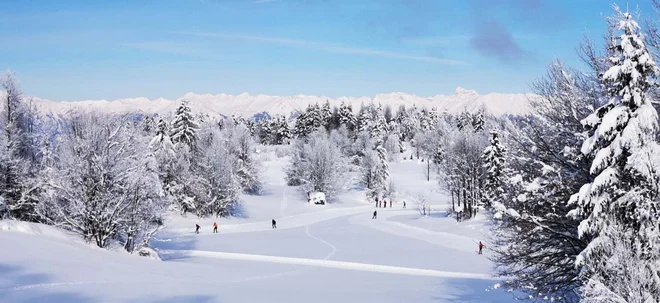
(404, 204)
(375, 213)
(197, 228)
(274, 224)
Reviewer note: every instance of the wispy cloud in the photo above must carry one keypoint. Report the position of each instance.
(327, 47)
(168, 48)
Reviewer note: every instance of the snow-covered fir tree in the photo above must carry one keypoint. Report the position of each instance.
(184, 127)
(622, 200)
(281, 131)
(464, 120)
(478, 121)
(326, 114)
(494, 164)
(346, 116)
(266, 130)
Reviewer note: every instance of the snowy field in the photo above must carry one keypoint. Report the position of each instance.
(332, 253)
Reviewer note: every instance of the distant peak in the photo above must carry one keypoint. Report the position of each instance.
(189, 95)
(463, 91)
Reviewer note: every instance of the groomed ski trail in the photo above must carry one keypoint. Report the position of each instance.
(332, 264)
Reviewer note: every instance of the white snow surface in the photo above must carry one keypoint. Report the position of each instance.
(331, 253)
(247, 105)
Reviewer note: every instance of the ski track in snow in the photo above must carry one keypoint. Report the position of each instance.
(47, 285)
(333, 264)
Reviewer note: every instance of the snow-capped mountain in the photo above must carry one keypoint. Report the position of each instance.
(248, 105)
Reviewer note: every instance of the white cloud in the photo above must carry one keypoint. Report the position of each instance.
(327, 47)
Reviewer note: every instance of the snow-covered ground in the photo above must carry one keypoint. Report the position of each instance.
(330, 253)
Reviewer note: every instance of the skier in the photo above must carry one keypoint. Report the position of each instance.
(481, 246)
(274, 224)
(375, 213)
(380, 203)
(215, 227)
(390, 203)
(197, 228)
(404, 204)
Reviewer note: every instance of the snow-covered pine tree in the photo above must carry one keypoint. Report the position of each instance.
(387, 113)
(375, 171)
(149, 124)
(622, 199)
(464, 120)
(346, 116)
(434, 118)
(316, 116)
(383, 168)
(326, 114)
(184, 127)
(478, 121)
(301, 128)
(364, 121)
(164, 152)
(409, 124)
(281, 131)
(494, 162)
(266, 131)
(424, 121)
(378, 124)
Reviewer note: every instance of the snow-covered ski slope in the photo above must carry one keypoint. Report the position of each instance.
(332, 253)
(247, 105)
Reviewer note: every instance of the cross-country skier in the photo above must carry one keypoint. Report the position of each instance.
(481, 246)
(274, 224)
(375, 213)
(215, 227)
(197, 228)
(404, 204)
(390, 203)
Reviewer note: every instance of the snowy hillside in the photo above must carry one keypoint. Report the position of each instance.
(331, 253)
(247, 105)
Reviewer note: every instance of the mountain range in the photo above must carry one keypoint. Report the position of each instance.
(247, 105)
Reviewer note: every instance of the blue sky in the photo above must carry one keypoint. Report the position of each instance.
(79, 50)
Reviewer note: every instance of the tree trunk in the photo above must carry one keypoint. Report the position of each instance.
(428, 170)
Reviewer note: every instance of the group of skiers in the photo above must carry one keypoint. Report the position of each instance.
(383, 203)
(274, 226)
(215, 227)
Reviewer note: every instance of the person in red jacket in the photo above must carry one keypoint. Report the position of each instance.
(390, 203)
(215, 227)
(481, 246)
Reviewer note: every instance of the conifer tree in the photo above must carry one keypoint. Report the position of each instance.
(184, 127)
(621, 202)
(494, 158)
